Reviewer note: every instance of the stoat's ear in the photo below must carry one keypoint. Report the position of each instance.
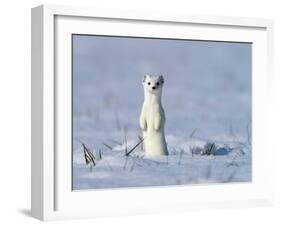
(144, 78)
(161, 79)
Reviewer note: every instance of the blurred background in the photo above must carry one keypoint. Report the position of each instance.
(207, 87)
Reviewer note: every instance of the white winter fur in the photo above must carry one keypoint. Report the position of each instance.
(152, 118)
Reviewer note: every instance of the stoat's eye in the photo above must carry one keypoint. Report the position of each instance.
(157, 83)
(148, 83)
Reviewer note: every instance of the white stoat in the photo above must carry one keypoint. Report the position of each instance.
(152, 118)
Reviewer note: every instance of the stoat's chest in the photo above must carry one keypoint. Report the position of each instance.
(152, 108)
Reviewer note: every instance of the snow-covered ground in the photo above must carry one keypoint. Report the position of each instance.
(186, 164)
(206, 97)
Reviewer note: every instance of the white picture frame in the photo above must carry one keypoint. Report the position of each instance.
(52, 197)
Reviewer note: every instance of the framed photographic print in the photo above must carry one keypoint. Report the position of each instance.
(137, 112)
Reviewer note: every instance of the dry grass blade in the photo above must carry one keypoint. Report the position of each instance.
(209, 150)
(115, 141)
(125, 164)
(108, 146)
(126, 144)
(140, 138)
(192, 133)
(180, 158)
(88, 155)
(129, 152)
(100, 155)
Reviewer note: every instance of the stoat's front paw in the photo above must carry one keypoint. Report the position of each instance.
(144, 127)
(143, 124)
(157, 128)
(157, 124)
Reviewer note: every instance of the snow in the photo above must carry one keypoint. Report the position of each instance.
(230, 162)
(206, 97)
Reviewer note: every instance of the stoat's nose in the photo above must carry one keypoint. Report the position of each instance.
(153, 87)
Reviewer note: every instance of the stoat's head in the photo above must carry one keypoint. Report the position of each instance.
(153, 84)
